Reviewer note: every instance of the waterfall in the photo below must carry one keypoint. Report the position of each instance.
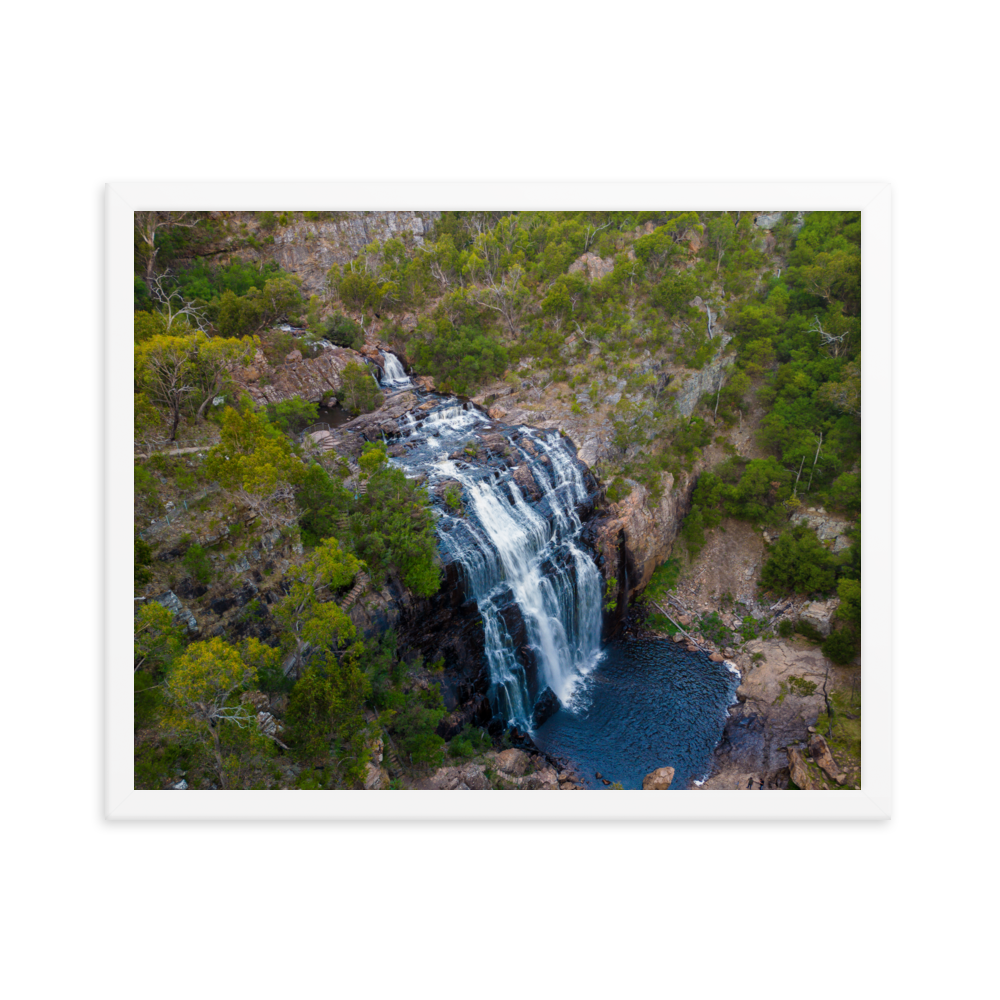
(393, 375)
(538, 590)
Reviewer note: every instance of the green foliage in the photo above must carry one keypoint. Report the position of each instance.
(459, 358)
(292, 415)
(808, 631)
(845, 493)
(469, 743)
(141, 299)
(786, 628)
(359, 392)
(391, 527)
(414, 726)
(849, 611)
(156, 639)
(800, 564)
(610, 590)
(619, 489)
(663, 581)
(322, 500)
(840, 646)
(198, 564)
(255, 465)
(239, 315)
(200, 281)
(143, 559)
(801, 687)
(343, 331)
(453, 498)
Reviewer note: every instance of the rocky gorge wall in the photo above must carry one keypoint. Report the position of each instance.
(309, 249)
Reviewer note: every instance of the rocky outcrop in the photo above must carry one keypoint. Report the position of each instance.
(596, 267)
(694, 385)
(821, 754)
(310, 248)
(826, 527)
(819, 615)
(798, 771)
(636, 535)
(658, 780)
(780, 697)
(172, 603)
(308, 378)
(509, 769)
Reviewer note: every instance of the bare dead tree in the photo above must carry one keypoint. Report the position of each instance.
(592, 232)
(504, 296)
(585, 338)
(836, 345)
(819, 445)
(173, 305)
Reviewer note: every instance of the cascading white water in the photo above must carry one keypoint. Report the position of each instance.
(394, 375)
(512, 553)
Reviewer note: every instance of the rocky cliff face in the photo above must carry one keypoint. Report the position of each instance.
(635, 535)
(310, 249)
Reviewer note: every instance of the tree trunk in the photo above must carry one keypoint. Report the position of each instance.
(177, 420)
(218, 755)
(208, 399)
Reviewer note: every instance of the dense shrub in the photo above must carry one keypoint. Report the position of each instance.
(799, 564)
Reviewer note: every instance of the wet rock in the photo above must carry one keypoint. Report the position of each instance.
(658, 780)
(545, 707)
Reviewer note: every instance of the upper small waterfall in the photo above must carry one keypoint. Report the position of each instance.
(393, 375)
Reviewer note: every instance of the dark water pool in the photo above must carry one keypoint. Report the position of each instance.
(648, 704)
(333, 417)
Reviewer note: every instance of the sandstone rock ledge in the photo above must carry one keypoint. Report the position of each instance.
(508, 769)
(780, 697)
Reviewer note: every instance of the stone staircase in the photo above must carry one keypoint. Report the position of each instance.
(360, 586)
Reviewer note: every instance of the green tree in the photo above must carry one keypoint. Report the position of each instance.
(800, 564)
(157, 639)
(303, 613)
(391, 526)
(202, 689)
(359, 392)
(255, 466)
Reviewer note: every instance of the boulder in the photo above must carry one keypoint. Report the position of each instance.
(821, 754)
(596, 267)
(172, 603)
(798, 769)
(546, 706)
(658, 780)
(514, 762)
(292, 356)
(820, 615)
(717, 658)
(767, 220)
